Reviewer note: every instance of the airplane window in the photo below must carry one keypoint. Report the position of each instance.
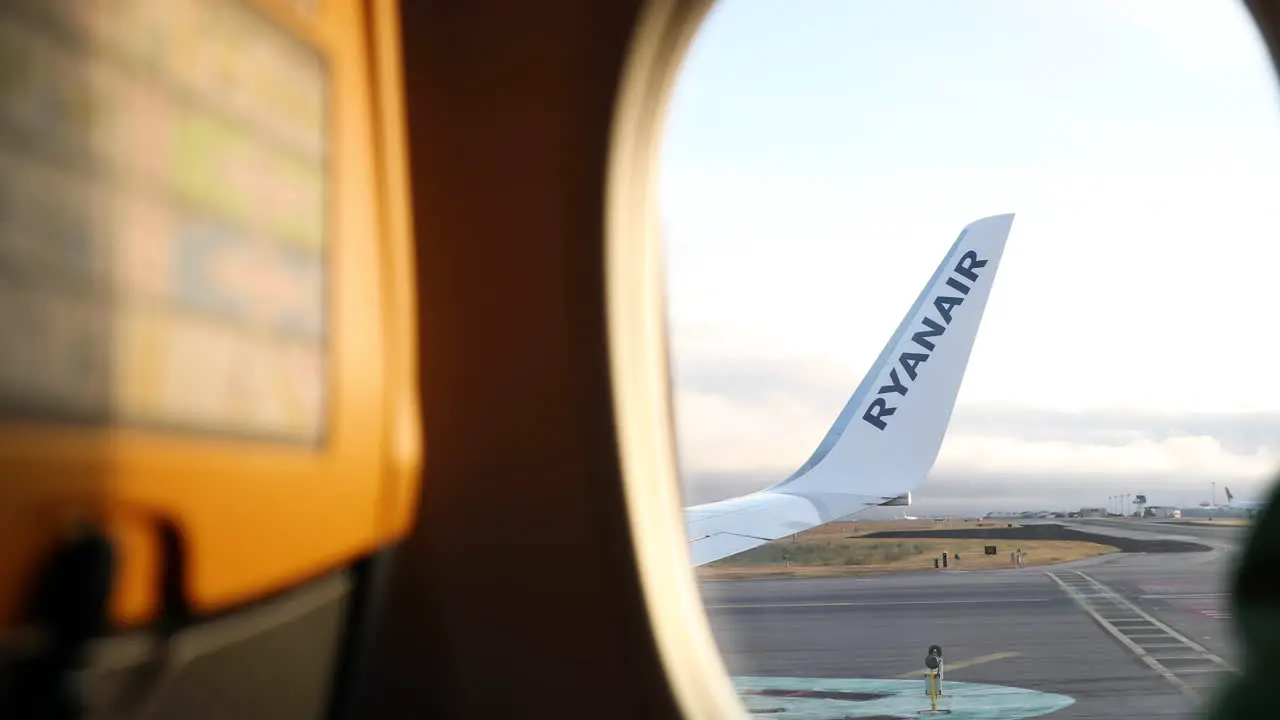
(975, 293)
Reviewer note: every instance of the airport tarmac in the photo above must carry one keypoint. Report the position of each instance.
(1124, 635)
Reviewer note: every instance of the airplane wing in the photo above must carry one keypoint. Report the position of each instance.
(888, 435)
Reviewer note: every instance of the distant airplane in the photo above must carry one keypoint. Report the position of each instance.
(1247, 505)
(888, 435)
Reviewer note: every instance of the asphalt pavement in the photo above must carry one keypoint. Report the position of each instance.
(1119, 636)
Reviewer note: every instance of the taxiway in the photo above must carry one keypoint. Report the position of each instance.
(1125, 636)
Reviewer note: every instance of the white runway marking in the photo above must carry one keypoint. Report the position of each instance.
(1165, 650)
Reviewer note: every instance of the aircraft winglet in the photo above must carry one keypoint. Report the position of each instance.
(887, 437)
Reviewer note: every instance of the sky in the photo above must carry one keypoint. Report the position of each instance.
(820, 157)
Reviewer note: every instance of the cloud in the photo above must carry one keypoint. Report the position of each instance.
(963, 493)
(1185, 455)
(754, 412)
(801, 221)
(1237, 433)
(745, 424)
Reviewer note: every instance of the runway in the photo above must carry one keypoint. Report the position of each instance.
(1123, 636)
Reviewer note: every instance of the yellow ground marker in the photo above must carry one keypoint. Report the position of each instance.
(953, 666)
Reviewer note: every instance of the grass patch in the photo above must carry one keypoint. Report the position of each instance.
(1227, 522)
(827, 552)
(838, 550)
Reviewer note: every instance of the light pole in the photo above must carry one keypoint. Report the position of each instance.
(1213, 493)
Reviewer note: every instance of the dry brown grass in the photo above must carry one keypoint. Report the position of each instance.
(862, 527)
(836, 550)
(1227, 522)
